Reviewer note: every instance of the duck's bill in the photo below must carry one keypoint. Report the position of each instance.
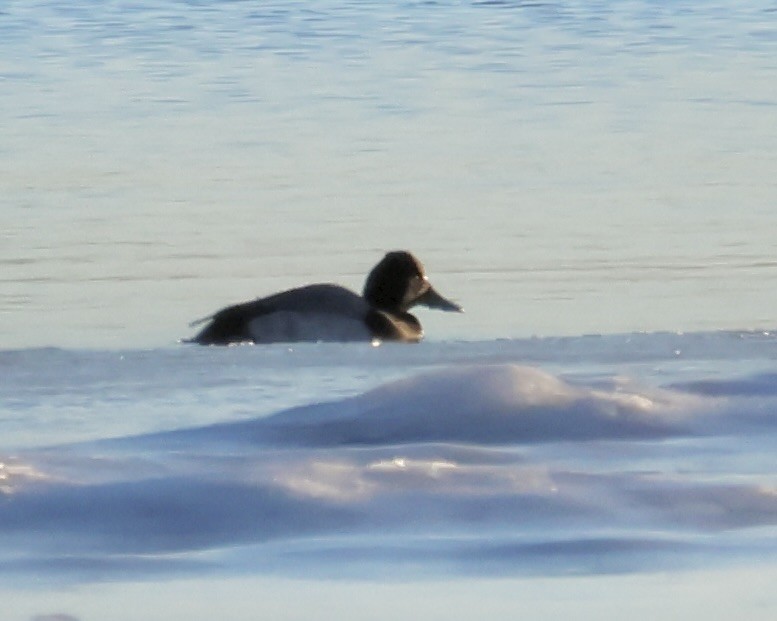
(432, 299)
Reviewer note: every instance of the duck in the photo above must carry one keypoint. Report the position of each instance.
(328, 312)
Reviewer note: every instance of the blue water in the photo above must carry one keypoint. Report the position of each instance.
(593, 181)
(561, 168)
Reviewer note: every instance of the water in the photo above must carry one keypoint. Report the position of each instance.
(561, 167)
(593, 181)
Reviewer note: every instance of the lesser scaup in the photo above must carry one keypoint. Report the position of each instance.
(326, 312)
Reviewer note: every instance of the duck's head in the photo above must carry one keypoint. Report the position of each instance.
(399, 282)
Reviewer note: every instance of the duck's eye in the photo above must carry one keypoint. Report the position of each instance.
(421, 283)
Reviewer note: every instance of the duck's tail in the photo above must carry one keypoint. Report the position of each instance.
(202, 320)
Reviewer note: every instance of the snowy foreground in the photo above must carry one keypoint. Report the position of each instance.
(569, 460)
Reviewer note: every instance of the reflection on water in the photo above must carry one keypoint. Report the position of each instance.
(561, 167)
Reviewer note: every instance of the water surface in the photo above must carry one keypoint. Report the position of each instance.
(562, 167)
